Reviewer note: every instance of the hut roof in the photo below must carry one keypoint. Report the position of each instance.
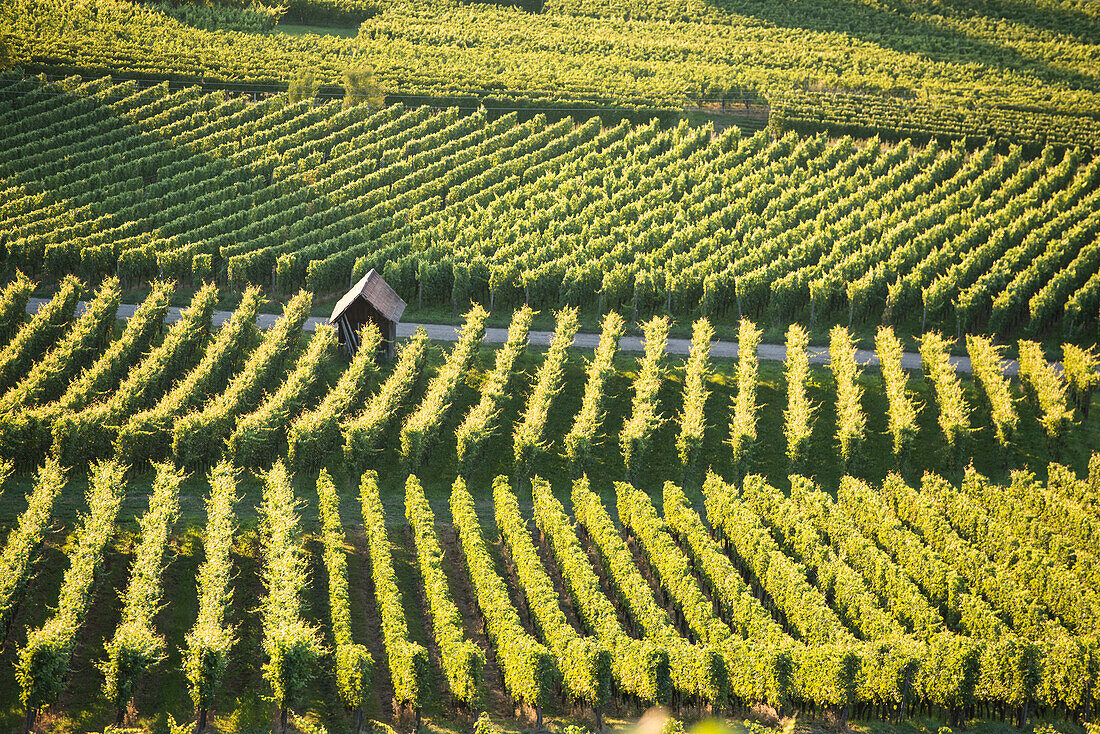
(375, 291)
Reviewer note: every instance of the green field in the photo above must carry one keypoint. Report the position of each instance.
(213, 518)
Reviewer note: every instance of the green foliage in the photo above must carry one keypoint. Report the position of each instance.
(644, 419)
(198, 438)
(13, 305)
(581, 440)
(315, 434)
(44, 660)
(43, 329)
(136, 646)
(302, 87)
(115, 363)
(361, 87)
(693, 421)
(1045, 388)
(798, 418)
(462, 659)
(353, 662)
(804, 608)
(528, 438)
(639, 666)
(256, 440)
(761, 670)
(74, 350)
(292, 647)
(695, 670)
(483, 419)
(147, 436)
(24, 540)
(210, 640)
(1082, 371)
(938, 370)
(985, 361)
(583, 663)
(742, 427)
(408, 661)
(246, 17)
(362, 434)
(851, 421)
(902, 415)
(421, 429)
(527, 666)
(80, 437)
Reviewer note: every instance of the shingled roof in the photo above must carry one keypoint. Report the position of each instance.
(375, 291)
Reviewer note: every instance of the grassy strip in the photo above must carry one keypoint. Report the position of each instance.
(408, 661)
(44, 660)
(644, 419)
(421, 429)
(74, 350)
(584, 663)
(353, 662)
(640, 667)
(257, 438)
(528, 667)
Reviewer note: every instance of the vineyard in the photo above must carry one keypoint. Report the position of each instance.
(107, 179)
(248, 530)
(1023, 71)
(769, 406)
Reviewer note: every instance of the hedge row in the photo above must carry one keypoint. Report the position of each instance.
(697, 671)
(640, 667)
(210, 640)
(421, 429)
(198, 438)
(581, 440)
(292, 647)
(353, 662)
(32, 339)
(25, 539)
(408, 661)
(462, 660)
(902, 415)
(256, 440)
(136, 646)
(362, 434)
(147, 436)
(743, 412)
(482, 420)
(73, 351)
(527, 666)
(644, 417)
(528, 437)
(44, 660)
(583, 663)
(693, 421)
(315, 434)
(81, 437)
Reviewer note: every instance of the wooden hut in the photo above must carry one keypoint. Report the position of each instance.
(371, 299)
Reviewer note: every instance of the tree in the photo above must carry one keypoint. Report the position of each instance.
(303, 86)
(360, 86)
